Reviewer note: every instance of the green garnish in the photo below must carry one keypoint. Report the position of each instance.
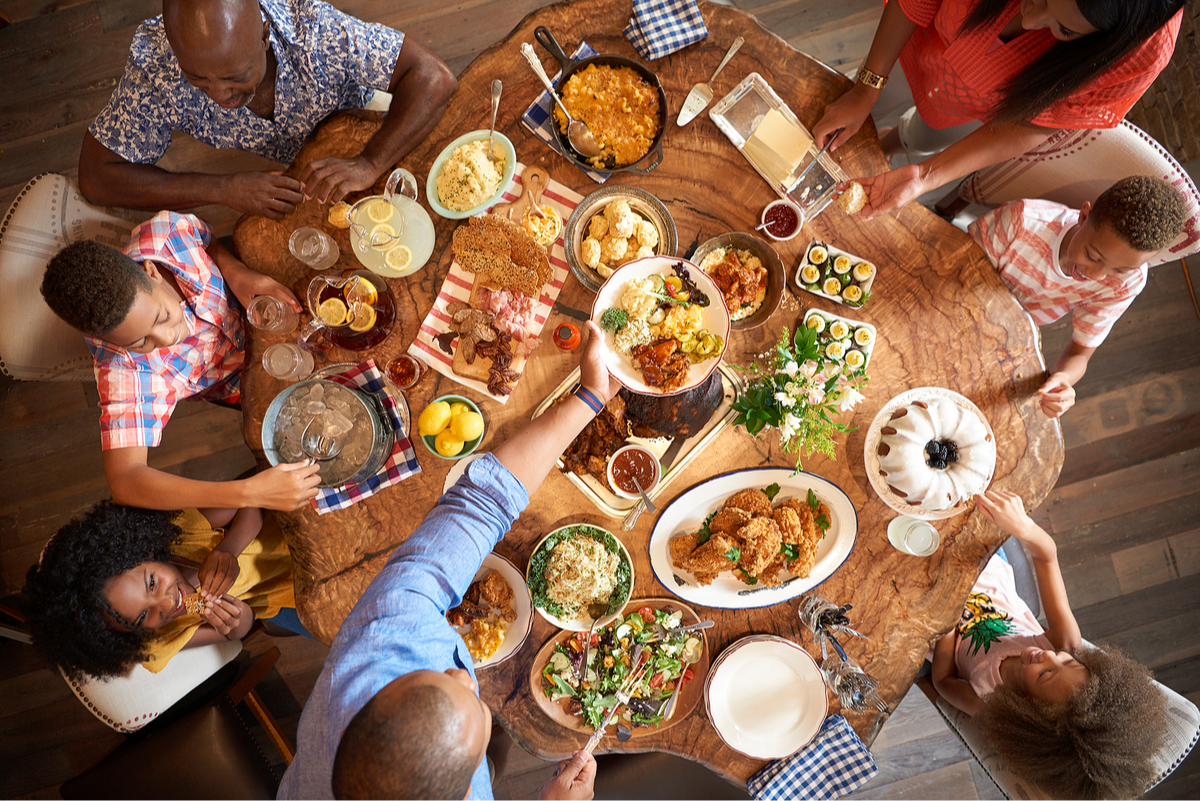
(705, 531)
(733, 554)
(771, 491)
(614, 320)
(790, 551)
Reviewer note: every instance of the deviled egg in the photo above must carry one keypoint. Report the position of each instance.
(852, 294)
(816, 322)
(862, 337)
(863, 271)
(832, 286)
(838, 329)
(817, 255)
(841, 265)
(855, 359)
(835, 350)
(810, 274)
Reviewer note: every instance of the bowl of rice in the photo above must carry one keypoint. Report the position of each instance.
(463, 183)
(577, 565)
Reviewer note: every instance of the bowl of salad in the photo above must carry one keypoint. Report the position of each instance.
(574, 566)
(579, 701)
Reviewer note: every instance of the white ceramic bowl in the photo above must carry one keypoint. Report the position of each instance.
(657, 471)
(510, 167)
(794, 208)
(584, 621)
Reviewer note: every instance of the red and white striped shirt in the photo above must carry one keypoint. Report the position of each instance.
(1022, 239)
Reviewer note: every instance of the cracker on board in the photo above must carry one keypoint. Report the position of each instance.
(504, 253)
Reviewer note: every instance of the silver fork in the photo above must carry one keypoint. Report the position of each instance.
(661, 632)
(623, 695)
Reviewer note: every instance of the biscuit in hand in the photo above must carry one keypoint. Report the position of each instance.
(853, 198)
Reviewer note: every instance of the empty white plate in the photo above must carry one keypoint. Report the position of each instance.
(765, 697)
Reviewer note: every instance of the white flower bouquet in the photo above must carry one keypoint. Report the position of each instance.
(799, 394)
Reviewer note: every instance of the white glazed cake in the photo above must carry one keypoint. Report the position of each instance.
(936, 454)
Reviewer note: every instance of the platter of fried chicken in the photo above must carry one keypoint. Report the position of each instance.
(752, 538)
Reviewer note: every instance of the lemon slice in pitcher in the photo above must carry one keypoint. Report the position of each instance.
(379, 210)
(398, 258)
(362, 317)
(332, 311)
(360, 291)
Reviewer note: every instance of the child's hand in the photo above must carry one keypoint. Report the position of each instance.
(574, 779)
(1057, 395)
(252, 284)
(230, 617)
(217, 574)
(1006, 510)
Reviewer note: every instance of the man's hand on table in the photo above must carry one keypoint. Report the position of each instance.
(266, 194)
(574, 780)
(329, 180)
(285, 487)
(593, 375)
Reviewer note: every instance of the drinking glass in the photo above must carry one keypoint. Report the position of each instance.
(913, 536)
(314, 247)
(288, 362)
(272, 315)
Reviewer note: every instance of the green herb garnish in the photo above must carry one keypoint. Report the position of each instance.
(790, 551)
(614, 320)
(705, 531)
(771, 491)
(733, 554)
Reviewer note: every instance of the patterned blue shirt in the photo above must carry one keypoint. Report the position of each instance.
(328, 61)
(399, 624)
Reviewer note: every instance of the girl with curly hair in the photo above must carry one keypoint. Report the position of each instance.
(1079, 721)
(122, 585)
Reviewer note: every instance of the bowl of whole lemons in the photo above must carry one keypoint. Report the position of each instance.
(451, 427)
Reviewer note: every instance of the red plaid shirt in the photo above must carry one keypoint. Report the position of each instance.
(138, 391)
(957, 79)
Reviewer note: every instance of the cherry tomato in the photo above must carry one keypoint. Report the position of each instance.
(595, 639)
(647, 614)
(688, 675)
(656, 680)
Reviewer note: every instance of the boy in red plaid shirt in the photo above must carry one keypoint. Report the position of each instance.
(164, 323)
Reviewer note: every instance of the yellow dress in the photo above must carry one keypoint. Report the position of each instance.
(264, 580)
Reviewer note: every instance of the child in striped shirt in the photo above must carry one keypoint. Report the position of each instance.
(1090, 262)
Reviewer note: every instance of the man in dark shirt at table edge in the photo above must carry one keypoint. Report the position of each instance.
(234, 52)
(395, 712)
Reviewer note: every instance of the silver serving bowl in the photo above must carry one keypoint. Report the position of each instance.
(342, 469)
(776, 275)
(642, 202)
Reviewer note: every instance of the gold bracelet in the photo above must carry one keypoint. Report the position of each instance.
(871, 79)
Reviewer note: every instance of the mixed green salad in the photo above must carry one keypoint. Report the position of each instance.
(610, 659)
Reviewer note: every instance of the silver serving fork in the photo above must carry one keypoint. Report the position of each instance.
(623, 695)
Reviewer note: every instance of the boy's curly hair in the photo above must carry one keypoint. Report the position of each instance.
(1099, 745)
(92, 286)
(1146, 212)
(68, 614)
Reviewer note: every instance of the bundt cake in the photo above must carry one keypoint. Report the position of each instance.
(935, 453)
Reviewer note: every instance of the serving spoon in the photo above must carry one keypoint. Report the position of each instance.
(650, 507)
(596, 610)
(578, 134)
(497, 88)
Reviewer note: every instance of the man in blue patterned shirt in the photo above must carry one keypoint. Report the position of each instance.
(257, 76)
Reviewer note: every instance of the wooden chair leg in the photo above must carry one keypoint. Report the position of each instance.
(1188, 277)
(949, 207)
(243, 690)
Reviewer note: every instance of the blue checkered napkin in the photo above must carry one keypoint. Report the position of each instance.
(660, 27)
(835, 764)
(537, 118)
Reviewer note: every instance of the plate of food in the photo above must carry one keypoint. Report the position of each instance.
(752, 538)
(579, 702)
(766, 697)
(496, 613)
(665, 325)
(835, 274)
(849, 341)
(749, 274)
(464, 181)
(609, 217)
(574, 566)
(928, 452)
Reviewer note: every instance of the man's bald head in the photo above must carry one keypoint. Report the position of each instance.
(221, 46)
(421, 736)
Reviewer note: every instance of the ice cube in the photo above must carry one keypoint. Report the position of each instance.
(334, 420)
(314, 408)
(316, 392)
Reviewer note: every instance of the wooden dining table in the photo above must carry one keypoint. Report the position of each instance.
(943, 318)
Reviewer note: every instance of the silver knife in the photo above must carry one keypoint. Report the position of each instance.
(667, 460)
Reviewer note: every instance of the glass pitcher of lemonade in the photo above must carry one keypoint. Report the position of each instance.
(391, 234)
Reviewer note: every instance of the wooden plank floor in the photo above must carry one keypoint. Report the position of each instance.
(1124, 511)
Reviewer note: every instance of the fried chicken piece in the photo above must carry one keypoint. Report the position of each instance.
(728, 521)
(760, 540)
(495, 592)
(711, 556)
(789, 524)
(754, 501)
(681, 549)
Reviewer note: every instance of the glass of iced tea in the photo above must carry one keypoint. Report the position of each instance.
(354, 312)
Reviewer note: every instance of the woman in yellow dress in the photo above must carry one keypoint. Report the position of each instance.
(122, 585)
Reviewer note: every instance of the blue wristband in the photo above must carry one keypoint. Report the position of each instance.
(588, 397)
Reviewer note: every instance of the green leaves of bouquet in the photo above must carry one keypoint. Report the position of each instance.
(799, 393)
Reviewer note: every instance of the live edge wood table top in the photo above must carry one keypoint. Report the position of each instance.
(943, 317)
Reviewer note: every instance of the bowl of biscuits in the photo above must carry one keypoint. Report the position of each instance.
(614, 226)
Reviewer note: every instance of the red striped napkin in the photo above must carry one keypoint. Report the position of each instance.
(457, 286)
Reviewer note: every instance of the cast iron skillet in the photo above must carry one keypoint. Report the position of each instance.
(569, 67)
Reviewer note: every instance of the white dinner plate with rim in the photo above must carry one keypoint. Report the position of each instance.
(583, 621)
(459, 469)
(685, 514)
(766, 697)
(522, 603)
(871, 453)
(714, 319)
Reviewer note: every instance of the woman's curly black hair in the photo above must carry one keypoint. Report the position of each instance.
(68, 614)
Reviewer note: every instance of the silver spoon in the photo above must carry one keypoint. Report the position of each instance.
(497, 88)
(596, 610)
(319, 446)
(578, 134)
(649, 503)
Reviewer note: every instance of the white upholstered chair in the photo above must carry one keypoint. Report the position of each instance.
(48, 215)
(1071, 167)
